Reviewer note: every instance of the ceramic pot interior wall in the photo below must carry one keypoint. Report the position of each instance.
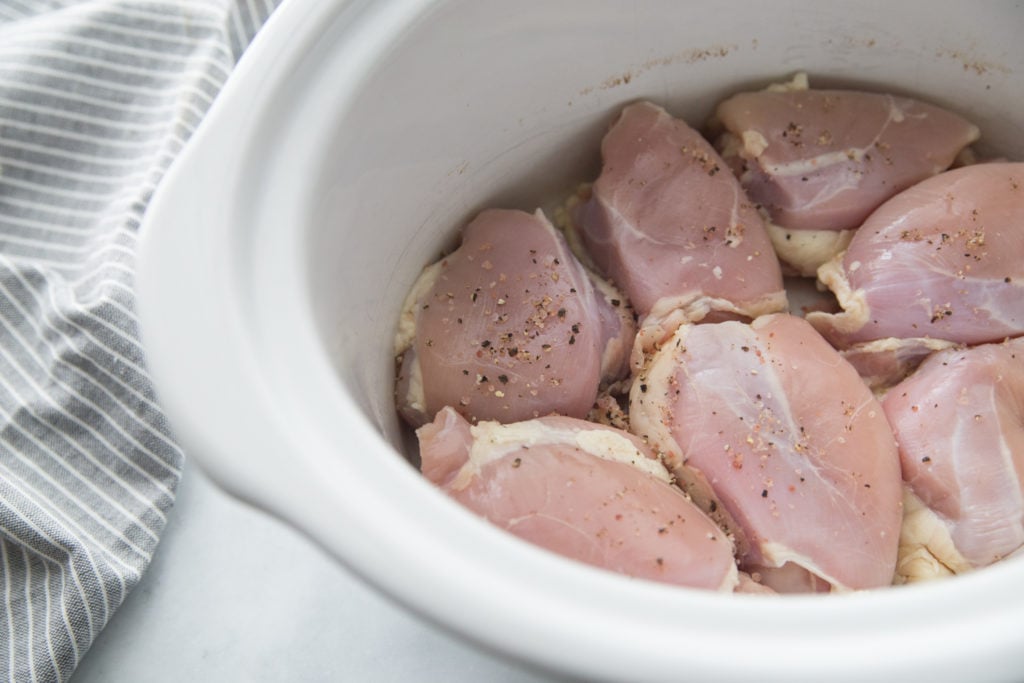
(490, 103)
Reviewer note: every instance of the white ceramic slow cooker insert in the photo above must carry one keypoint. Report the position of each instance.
(352, 142)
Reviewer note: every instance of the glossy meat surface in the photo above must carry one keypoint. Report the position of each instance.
(959, 421)
(671, 226)
(774, 433)
(509, 326)
(942, 260)
(825, 159)
(588, 492)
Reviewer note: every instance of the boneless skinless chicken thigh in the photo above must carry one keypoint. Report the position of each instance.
(509, 326)
(958, 421)
(825, 159)
(943, 260)
(672, 227)
(820, 161)
(586, 491)
(778, 438)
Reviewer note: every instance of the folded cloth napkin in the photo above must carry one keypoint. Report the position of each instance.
(96, 99)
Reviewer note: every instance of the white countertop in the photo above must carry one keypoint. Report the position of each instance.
(234, 595)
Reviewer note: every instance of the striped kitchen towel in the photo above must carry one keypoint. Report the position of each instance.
(96, 98)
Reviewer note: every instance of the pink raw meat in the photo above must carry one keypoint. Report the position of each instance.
(588, 492)
(942, 260)
(825, 159)
(671, 226)
(509, 326)
(777, 437)
(958, 421)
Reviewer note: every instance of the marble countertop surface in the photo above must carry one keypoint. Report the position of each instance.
(234, 595)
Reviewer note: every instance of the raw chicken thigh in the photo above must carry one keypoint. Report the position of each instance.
(509, 326)
(753, 455)
(585, 491)
(670, 225)
(958, 421)
(822, 160)
(943, 260)
(778, 438)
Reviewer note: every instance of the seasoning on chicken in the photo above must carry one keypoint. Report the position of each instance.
(672, 227)
(958, 421)
(588, 492)
(509, 326)
(776, 436)
(820, 161)
(943, 260)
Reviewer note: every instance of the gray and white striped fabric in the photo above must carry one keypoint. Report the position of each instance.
(96, 99)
